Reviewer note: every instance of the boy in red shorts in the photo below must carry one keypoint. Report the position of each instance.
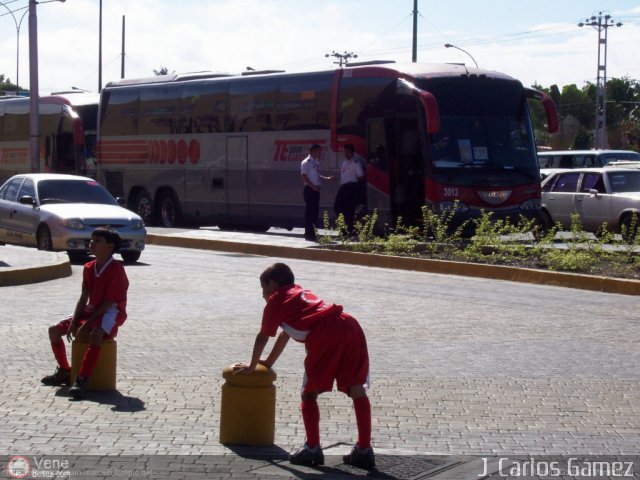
(100, 310)
(336, 350)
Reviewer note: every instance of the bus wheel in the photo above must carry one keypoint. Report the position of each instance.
(143, 206)
(169, 210)
(44, 238)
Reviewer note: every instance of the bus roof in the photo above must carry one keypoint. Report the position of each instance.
(416, 70)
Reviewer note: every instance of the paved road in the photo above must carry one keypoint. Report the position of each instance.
(460, 366)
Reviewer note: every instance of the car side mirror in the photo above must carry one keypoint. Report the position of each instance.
(121, 201)
(593, 191)
(27, 200)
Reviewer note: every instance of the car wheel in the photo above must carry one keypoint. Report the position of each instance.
(169, 210)
(143, 206)
(77, 257)
(130, 256)
(44, 238)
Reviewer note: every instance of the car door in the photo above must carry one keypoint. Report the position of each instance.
(559, 201)
(26, 216)
(8, 204)
(593, 203)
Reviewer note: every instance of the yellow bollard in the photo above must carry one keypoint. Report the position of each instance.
(248, 408)
(104, 375)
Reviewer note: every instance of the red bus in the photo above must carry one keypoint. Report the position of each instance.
(226, 149)
(67, 134)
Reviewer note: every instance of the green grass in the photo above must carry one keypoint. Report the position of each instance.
(496, 242)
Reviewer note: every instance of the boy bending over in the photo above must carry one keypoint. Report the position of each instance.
(336, 350)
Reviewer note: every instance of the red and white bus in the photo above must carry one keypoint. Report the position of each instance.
(226, 149)
(67, 134)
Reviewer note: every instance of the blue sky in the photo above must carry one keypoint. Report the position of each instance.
(534, 41)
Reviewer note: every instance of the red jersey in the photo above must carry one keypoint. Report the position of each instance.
(297, 311)
(109, 284)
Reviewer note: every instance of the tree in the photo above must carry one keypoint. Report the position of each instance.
(576, 107)
(6, 85)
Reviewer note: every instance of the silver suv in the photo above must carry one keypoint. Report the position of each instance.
(597, 195)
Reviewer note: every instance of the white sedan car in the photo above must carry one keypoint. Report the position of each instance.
(59, 212)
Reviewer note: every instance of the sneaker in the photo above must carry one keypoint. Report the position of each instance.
(360, 457)
(59, 377)
(79, 388)
(307, 456)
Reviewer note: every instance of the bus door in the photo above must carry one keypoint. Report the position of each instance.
(407, 176)
(198, 198)
(379, 147)
(237, 181)
(66, 152)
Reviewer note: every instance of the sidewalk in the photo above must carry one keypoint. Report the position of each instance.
(21, 265)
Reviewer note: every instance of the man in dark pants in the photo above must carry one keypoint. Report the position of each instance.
(352, 192)
(312, 180)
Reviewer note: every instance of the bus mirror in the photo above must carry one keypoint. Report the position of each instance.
(550, 110)
(427, 100)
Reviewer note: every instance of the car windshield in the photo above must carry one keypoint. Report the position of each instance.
(73, 191)
(485, 133)
(624, 182)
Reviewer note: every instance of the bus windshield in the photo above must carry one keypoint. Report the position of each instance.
(486, 135)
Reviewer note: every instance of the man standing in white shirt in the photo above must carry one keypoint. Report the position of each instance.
(312, 180)
(351, 192)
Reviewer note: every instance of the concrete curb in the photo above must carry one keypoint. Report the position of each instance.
(56, 266)
(495, 272)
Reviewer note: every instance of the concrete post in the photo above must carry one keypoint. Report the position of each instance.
(248, 408)
(104, 375)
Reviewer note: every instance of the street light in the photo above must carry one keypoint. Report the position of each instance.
(18, 24)
(448, 45)
(34, 95)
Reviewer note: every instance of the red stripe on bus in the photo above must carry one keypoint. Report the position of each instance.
(121, 161)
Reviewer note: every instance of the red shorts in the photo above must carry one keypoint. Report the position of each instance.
(336, 350)
(63, 326)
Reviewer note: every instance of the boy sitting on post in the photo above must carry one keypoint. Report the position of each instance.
(336, 350)
(100, 310)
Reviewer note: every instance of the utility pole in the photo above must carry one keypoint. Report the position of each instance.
(343, 58)
(414, 50)
(601, 23)
(34, 95)
(122, 60)
(100, 48)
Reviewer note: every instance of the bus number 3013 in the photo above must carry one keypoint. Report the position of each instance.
(451, 192)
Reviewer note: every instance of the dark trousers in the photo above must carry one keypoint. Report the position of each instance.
(348, 198)
(312, 209)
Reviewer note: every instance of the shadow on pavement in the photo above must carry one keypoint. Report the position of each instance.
(121, 403)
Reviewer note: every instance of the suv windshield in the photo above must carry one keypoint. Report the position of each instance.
(485, 136)
(73, 191)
